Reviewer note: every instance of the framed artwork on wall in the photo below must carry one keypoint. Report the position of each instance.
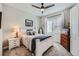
(28, 23)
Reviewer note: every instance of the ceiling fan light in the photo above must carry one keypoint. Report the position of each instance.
(42, 10)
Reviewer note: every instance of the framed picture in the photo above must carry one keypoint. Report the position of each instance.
(0, 19)
(28, 23)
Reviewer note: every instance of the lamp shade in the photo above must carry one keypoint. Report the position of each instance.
(15, 31)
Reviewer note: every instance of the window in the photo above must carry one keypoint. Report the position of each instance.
(49, 26)
(54, 23)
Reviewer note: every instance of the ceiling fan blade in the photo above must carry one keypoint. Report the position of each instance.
(49, 6)
(36, 6)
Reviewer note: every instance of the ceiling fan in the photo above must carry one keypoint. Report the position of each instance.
(42, 8)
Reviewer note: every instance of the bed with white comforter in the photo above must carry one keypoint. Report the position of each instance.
(41, 46)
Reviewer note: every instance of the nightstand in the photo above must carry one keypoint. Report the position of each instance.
(14, 42)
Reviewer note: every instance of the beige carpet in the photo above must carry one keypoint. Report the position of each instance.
(56, 50)
(21, 51)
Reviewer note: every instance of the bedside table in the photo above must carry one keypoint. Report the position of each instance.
(14, 42)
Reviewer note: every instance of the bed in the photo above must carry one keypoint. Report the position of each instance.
(41, 45)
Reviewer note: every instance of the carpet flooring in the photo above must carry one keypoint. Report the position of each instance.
(19, 51)
(56, 50)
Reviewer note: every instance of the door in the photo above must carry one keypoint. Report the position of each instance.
(74, 31)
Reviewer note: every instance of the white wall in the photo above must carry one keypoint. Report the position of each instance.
(0, 33)
(14, 17)
(0, 7)
(67, 18)
(74, 30)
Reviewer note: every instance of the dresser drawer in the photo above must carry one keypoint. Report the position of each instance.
(65, 41)
(64, 37)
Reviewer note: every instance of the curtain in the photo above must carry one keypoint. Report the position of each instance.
(53, 23)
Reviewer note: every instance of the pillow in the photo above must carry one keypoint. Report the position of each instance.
(23, 31)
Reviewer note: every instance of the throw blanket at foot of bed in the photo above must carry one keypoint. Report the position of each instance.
(39, 43)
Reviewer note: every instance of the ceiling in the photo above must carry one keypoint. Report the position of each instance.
(27, 7)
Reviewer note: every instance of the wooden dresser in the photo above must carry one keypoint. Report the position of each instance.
(65, 40)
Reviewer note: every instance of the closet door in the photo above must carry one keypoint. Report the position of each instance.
(0, 30)
(74, 20)
(0, 42)
(74, 31)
